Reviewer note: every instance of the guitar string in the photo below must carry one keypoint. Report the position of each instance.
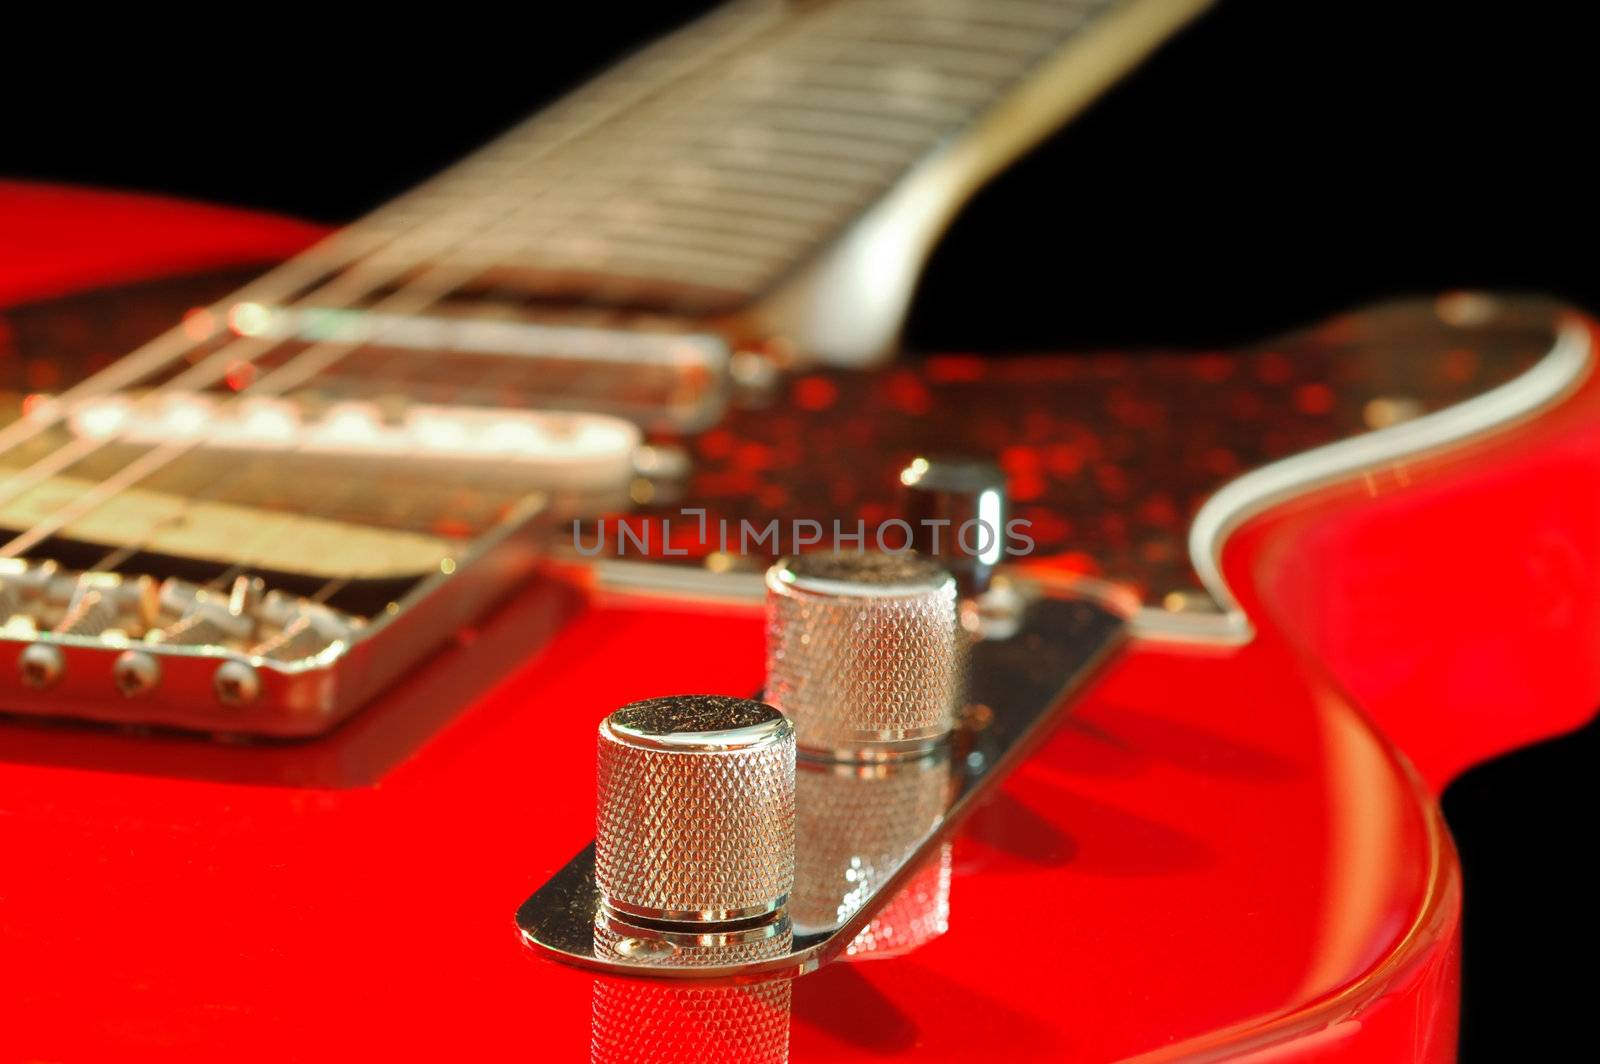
(322, 258)
(159, 460)
(347, 242)
(133, 367)
(164, 456)
(124, 553)
(296, 371)
(441, 277)
(125, 364)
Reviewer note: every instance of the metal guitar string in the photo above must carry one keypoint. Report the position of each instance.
(369, 261)
(440, 277)
(227, 575)
(128, 371)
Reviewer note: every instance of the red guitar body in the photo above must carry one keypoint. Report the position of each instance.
(1222, 853)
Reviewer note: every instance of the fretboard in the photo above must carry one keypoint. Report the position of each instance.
(701, 175)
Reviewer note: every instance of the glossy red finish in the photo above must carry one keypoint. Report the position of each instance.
(1215, 856)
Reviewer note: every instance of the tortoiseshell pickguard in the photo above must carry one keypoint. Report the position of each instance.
(1107, 454)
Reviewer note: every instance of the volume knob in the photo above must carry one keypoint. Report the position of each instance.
(695, 809)
(863, 652)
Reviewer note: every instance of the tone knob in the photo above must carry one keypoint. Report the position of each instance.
(695, 809)
(863, 652)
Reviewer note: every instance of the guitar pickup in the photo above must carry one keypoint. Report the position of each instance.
(529, 450)
(648, 372)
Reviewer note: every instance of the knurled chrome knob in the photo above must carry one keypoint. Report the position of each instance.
(695, 809)
(863, 652)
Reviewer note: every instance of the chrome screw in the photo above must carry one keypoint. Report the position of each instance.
(135, 673)
(236, 683)
(41, 665)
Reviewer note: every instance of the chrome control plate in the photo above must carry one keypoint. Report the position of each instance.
(848, 866)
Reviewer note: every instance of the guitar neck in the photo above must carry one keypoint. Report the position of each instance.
(775, 168)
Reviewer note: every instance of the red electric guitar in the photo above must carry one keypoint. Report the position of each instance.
(315, 585)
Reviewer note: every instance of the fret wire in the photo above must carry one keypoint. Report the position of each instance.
(1025, 13)
(745, 201)
(670, 256)
(1046, 13)
(795, 133)
(928, 108)
(684, 213)
(980, 64)
(936, 33)
(698, 231)
(968, 20)
(802, 153)
(686, 178)
(997, 63)
(769, 188)
(871, 80)
(822, 160)
(929, 26)
(807, 116)
(655, 263)
(662, 228)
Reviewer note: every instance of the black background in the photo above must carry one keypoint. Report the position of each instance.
(1277, 161)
